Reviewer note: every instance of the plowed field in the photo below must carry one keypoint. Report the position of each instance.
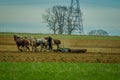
(101, 51)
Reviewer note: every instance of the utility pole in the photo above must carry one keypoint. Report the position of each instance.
(75, 17)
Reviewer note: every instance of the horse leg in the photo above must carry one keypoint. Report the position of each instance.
(19, 49)
(57, 46)
(28, 48)
(41, 48)
(45, 47)
(23, 48)
(33, 48)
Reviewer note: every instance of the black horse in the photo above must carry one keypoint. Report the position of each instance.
(22, 43)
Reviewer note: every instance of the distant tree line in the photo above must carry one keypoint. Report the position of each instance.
(58, 21)
(98, 32)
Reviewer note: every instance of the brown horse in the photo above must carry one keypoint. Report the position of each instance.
(56, 42)
(37, 44)
(21, 42)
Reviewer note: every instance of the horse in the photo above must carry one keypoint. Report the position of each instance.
(57, 42)
(21, 42)
(32, 42)
(35, 43)
(40, 42)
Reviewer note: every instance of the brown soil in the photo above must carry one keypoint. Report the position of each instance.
(107, 54)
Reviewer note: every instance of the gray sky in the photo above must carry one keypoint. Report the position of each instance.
(26, 15)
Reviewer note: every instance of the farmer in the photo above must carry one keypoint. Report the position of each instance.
(50, 43)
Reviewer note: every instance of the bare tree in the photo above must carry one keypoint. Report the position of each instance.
(50, 18)
(61, 19)
(60, 12)
(55, 18)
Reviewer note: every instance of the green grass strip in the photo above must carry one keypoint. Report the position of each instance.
(58, 71)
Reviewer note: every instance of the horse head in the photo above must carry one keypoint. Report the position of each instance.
(15, 37)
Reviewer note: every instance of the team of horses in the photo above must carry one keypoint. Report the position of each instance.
(36, 44)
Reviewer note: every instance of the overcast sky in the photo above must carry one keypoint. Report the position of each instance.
(26, 15)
